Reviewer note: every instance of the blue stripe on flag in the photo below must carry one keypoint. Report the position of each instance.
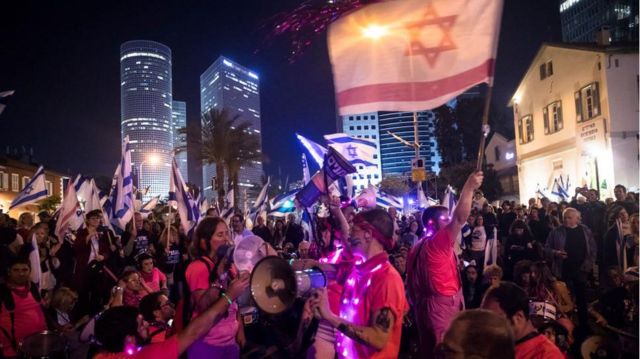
(30, 198)
(349, 139)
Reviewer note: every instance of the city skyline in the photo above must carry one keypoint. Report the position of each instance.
(71, 78)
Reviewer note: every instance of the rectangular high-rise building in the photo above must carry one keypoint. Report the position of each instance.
(396, 157)
(582, 19)
(364, 125)
(393, 157)
(226, 84)
(178, 122)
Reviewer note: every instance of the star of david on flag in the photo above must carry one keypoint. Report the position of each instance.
(33, 191)
(412, 55)
(358, 151)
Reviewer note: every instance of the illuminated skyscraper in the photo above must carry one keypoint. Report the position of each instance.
(582, 19)
(145, 100)
(226, 84)
(393, 157)
(178, 121)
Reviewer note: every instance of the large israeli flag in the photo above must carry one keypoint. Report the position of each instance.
(120, 205)
(188, 208)
(35, 190)
(358, 151)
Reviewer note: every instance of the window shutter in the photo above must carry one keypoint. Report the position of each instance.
(545, 117)
(578, 98)
(559, 111)
(520, 131)
(596, 99)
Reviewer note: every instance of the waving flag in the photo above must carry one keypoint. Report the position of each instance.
(449, 200)
(305, 170)
(278, 200)
(83, 188)
(228, 210)
(386, 200)
(284, 207)
(34, 259)
(35, 190)
(92, 201)
(422, 199)
(203, 204)
(148, 207)
(334, 167)
(358, 151)
(367, 197)
(412, 55)
(261, 201)
(4, 95)
(316, 151)
(70, 216)
(188, 208)
(120, 204)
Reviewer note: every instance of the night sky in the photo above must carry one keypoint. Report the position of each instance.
(62, 58)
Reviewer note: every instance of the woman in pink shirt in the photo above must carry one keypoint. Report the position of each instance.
(134, 288)
(20, 311)
(226, 336)
(150, 275)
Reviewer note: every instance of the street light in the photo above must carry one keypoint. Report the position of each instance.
(152, 159)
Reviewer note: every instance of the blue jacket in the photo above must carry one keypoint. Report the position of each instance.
(556, 241)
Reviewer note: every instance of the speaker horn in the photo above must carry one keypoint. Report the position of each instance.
(275, 285)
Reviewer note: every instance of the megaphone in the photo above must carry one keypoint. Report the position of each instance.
(275, 284)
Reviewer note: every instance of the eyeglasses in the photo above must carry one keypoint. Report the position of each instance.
(167, 304)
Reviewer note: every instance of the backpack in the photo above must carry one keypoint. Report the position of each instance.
(6, 299)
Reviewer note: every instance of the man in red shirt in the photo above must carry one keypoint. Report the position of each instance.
(121, 330)
(157, 309)
(433, 276)
(373, 300)
(512, 302)
(20, 312)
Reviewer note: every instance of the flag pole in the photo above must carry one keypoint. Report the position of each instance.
(485, 128)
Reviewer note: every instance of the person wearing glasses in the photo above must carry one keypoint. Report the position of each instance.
(433, 270)
(157, 309)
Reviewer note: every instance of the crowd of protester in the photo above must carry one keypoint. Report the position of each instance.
(560, 273)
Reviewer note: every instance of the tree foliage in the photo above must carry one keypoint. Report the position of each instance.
(50, 203)
(456, 176)
(226, 142)
(395, 185)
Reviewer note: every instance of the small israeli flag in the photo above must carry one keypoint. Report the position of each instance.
(35, 190)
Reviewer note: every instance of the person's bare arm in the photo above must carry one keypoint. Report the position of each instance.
(375, 335)
(334, 207)
(204, 298)
(463, 208)
(201, 324)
